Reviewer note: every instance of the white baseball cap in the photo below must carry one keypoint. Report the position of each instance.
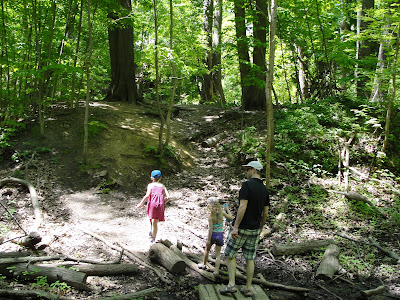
(213, 200)
(254, 164)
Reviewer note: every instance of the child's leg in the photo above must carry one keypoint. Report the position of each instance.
(154, 228)
(206, 253)
(217, 258)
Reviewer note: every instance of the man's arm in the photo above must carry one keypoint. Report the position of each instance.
(239, 217)
(264, 216)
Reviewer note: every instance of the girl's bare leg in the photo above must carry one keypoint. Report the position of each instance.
(217, 259)
(154, 228)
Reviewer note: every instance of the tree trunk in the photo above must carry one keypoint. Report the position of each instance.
(74, 102)
(394, 89)
(53, 274)
(164, 256)
(207, 90)
(365, 48)
(87, 63)
(272, 8)
(216, 58)
(104, 269)
(329, 265)
(120, 36)
(298, 248)
(258, 100)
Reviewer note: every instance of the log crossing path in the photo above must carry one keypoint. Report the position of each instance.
(211, 292)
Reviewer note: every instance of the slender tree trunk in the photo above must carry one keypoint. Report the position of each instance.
(391, 99)
(207, 90)
(272, 11)
(87, 63)
(75, 102)
(365, 49)
(4, 56)
(217, 36)
(175, 79)
(158, 102)
(302, 73)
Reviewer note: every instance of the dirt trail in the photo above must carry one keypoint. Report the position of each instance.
(116, 218)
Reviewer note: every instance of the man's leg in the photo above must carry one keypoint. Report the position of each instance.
(231, 263)
(249, 273)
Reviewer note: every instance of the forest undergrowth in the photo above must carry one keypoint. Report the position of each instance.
(310, 197)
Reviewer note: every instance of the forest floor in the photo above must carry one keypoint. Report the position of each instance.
(76, 201)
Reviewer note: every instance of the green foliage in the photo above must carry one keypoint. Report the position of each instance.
(8, 129)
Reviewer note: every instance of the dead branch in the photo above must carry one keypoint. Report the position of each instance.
(134, 295)
(29, 294)
(34, 198)
(372, 243)
(357, 197)
(328, 291)
(377, 291)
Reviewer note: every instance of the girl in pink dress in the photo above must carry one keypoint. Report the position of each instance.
(157, 196)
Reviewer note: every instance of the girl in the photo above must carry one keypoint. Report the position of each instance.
(215, 231)
(158, 197)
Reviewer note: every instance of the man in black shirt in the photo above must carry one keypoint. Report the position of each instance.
(250, 218)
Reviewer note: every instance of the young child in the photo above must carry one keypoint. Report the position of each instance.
(215, 231)
(157, 196)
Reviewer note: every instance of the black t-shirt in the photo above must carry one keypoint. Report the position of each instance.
(257, 195)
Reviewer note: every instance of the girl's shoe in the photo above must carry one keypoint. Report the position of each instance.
(201, 266)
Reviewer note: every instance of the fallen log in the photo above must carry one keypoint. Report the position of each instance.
(377, 291)
(15, 254)
(192, 264)
(30, 294)
(103, 269)
(298, 248)
(357, 197)
(329, 265)
(212, 141)
(30, 272)
(135, 295)
(164, 256)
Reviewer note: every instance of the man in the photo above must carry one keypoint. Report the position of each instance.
(250, 218)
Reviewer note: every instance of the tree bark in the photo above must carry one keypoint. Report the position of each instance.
(104, 269)
(120, 36)
(31, 272)
(298, 248)
(162, 255)
(272, 9)
(329, 265)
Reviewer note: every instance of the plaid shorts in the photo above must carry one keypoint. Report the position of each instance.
(247, 240)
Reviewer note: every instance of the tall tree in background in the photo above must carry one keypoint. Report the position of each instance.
(87, 65)
(272, 12)
(120, 35)
(365, 48)
(216, 57)
(252, 75)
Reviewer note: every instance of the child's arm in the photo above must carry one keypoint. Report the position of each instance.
(145, 197)
(166, 194)
(227, 213)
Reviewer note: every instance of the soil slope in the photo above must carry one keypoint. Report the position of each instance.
(101, 198)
